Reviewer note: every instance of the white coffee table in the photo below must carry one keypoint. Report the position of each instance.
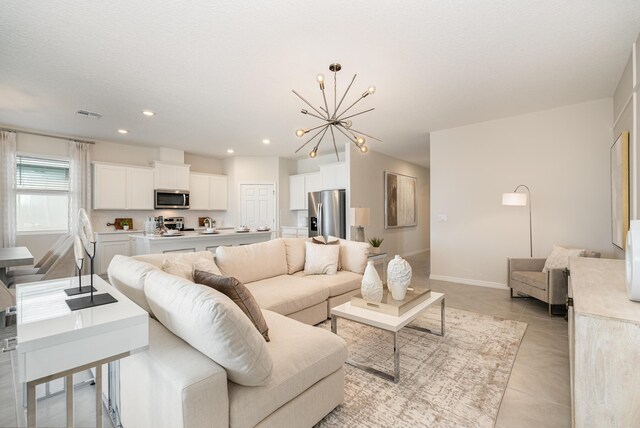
(389, 323)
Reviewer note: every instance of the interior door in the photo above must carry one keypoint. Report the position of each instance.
(258, 202)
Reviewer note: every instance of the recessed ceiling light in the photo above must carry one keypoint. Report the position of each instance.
(148, 113)
(229, 151)
(266, 141)
(123, 131)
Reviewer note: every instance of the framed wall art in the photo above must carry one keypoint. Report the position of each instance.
(619, 154)
(399, 200)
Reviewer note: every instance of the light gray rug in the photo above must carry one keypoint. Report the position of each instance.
(452, 381)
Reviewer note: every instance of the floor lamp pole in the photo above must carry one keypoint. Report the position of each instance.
(530, 223)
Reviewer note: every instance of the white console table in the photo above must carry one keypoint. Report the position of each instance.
(55, 342)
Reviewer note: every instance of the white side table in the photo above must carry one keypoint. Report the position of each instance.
(54, 342)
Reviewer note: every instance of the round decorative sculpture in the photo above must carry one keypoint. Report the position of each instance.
(371, 287)
(398, 277)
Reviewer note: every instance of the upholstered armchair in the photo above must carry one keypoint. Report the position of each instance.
(526, 277)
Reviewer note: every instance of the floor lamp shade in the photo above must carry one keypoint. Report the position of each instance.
(514, 199)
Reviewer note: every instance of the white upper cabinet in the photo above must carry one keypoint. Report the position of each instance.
(121, 187)
(169, 176)
(207, 192)
(199, 191)
(218, 193)
(334, 176)
(299, 187)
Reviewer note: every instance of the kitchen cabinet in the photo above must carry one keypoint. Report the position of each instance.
(294, 232)
(334, 176)
(169, 176)
(299, 187)
(109, 245)
(122, 187)
(207, 192)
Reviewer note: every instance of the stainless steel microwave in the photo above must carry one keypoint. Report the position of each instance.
(174, 199)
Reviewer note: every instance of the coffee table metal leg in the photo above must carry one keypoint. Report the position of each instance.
(31, 404)
(427, 330)
(334, 324)
(69, 390)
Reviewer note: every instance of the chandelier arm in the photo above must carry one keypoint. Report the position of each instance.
(357, 114)
(339, 128)
(324, 97)
(349, 108)
(307, 102)
(322, 136)
(319, 126)
(333, 136)
(309, 140)
(366, 135)
(316, 116)
(345, 94)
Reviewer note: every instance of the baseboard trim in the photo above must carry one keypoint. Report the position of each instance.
(469, 281)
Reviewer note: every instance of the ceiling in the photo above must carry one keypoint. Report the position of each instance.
(219, 74)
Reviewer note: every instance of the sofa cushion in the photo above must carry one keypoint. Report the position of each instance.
(353, 255)
(302, 356)
(287, 294)
(238, 293)
(249, 263)
(340, 283)
(188, 258)
(128, 276)
(321, 259)
(295, 254)
(210, 322)
(534, 279)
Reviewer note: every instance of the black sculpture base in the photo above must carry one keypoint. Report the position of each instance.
(75, 291)
(87, 302)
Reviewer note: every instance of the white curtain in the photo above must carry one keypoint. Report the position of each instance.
(8, 189)
(80, 183)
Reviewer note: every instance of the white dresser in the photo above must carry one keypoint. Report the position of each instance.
(604, 345)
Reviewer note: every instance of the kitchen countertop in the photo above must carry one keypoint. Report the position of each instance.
(192, 235)
(111, 232)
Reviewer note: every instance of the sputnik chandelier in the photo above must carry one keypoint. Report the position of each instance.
(335, 120)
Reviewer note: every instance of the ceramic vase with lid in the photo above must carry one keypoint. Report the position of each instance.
(371, 287)
(398, 277)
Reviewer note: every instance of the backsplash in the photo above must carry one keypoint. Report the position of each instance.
(101, 218)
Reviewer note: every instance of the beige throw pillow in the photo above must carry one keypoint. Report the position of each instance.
(239, 294)
(295, 254)
(210, 322)
(559, 257)
(207, 266)
(177, 268)
(353, 255)
(321, 259)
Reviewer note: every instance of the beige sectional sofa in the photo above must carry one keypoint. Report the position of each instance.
(178, 383)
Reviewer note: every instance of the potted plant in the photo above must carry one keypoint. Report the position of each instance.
(124, 224)
(375, 244)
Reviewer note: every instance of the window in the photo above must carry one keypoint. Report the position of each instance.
(42, 194)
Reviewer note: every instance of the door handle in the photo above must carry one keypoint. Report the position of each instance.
(184, 200)
(320, 219)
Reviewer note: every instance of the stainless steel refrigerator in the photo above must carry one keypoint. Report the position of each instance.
(327, 213)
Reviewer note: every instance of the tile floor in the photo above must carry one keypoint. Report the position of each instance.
(537, 394)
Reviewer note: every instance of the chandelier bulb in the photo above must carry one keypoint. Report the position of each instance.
(320, 78)
(364, 149)
(347, 123)
(313, 153)
(300, 132)
(371, 89)
(361, 140)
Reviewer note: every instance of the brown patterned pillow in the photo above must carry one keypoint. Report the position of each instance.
(237, 292)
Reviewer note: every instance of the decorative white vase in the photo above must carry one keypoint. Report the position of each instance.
(398, 277)
(371, 287)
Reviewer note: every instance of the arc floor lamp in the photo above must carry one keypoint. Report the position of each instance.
(515, 199)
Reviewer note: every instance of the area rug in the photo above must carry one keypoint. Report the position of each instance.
(452, 381)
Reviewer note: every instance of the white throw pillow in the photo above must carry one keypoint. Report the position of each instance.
(295, 254)
(177, 268)
(321, 259)
(559, 257)
(211, 323)
(353, 255)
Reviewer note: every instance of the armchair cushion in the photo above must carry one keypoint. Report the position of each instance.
(534, 279)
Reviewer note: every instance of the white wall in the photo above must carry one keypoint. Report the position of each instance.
(561, 154)
(366, 175)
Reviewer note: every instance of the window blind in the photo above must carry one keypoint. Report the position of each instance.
(42, 174)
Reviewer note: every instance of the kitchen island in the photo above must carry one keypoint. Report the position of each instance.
(194, 241)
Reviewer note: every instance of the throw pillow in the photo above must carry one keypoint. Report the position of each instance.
(321, 259)
(295, 254)
(207, 266)
(353, 255)
(321, 240)
(559, 257)
(178, 268)
(238, 293)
